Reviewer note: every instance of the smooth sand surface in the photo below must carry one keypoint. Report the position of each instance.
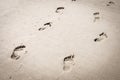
(72, 31)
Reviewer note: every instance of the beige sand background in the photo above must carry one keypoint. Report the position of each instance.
(72, 31)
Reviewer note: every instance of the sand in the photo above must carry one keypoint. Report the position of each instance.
(52, 38)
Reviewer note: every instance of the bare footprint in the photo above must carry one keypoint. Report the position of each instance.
(101, 37)
(59, 9)
(45, 26)
(110, 3)
(96, 16)
(17, 52)
(68, 62)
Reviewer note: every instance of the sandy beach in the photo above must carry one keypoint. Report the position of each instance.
(59, 40)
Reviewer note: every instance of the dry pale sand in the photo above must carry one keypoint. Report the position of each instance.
(72, 32)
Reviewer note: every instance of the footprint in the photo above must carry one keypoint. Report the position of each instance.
(96, 16)
(17, 52)
(68, 62)
(110, 3)
(73, 0)
(18, 48)
(59, 9)
(101, 37)
(45, 26)
(96, 13)
(49, 24)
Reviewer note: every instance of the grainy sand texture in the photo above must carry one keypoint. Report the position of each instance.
(59, 39)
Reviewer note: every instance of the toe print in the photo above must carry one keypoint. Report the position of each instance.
(59, 9)
(68, 58)
(18, 48)
(49, 24)
(73, 0)
(96, 13)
